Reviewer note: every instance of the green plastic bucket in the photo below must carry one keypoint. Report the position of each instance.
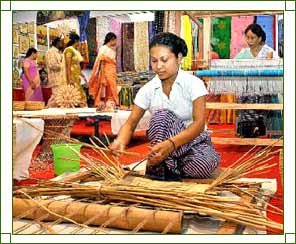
(65, 158)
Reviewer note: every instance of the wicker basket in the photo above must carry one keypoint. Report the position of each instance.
(18, 105)
(34, 105)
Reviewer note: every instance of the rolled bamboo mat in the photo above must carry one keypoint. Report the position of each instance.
(18, 105)
(34, 105)
(128, 218)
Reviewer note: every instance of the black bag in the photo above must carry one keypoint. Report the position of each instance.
(251, 128)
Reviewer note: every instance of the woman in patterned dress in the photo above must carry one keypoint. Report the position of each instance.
(73, 59)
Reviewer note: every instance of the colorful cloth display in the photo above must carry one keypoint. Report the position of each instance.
(238, 26)
(170, 21)
(267, 22)
(115, 27)
(128, 47)
(141, 46)
(221, 35)
(187, 36)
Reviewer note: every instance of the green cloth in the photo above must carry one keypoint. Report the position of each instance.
(221, 36)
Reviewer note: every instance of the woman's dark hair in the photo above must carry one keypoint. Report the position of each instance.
(56, 41)
(30, 51)
(170, 40)
(257, 30)
(73, 38)
(109, 37)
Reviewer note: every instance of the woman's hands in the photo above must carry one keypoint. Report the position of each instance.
(33, 85)
(116, 147)
(161, 151)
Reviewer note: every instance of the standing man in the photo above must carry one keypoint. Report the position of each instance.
(55, 68)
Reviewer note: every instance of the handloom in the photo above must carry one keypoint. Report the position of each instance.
(112, 187)
(245, 76)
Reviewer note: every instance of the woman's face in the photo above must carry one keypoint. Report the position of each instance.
(76, 45)
(34, 56)
(113, 43)
(164, 62)
(252, 39)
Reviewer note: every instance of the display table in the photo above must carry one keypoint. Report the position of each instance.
(26, 138)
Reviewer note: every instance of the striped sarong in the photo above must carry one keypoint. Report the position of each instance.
(196, 159)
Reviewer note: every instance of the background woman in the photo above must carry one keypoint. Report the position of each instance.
(257, 49)
(102, 83)
(73, 59)
(30, 77)
(181, 145)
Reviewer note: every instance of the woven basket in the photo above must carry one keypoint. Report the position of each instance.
(34, 105)
(18, 105)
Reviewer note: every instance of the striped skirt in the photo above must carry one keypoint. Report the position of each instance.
(196, 159)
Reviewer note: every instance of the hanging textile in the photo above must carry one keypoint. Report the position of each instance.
(267, 24)
(141, 49)
(128, 47)
(158, 22)
(151, 34)
(83, 22)
(115, 27)
(103, 27)
(187, 36)
(281, 37)
(169, 21)
(221, 34)
(238, 26)
(91, 41)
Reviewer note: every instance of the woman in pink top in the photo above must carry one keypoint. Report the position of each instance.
(30, 77)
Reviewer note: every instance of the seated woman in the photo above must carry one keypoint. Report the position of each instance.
(182, 146)
(257, 49)
(30, 77)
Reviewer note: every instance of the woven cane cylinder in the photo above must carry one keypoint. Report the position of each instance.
(34, 105)
(18, 105)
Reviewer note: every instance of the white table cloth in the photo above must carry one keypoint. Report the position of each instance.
(26, 139)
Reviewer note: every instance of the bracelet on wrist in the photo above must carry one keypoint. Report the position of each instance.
(174, 145)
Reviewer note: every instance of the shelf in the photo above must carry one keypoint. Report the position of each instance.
(247, 141)
(239, 106)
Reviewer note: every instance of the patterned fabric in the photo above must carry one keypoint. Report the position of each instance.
(115, 27)
(83, 22)
(151, 34)
(170, 21)
(30, 94)
(54, 67)
(267, 24)
(128, 47)
(238, 26)
(158, 21)
(103, 27)
(187, 36)
(141, 46)
(221, 32)
(281, 37)
(196, 159)
(76, 59)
